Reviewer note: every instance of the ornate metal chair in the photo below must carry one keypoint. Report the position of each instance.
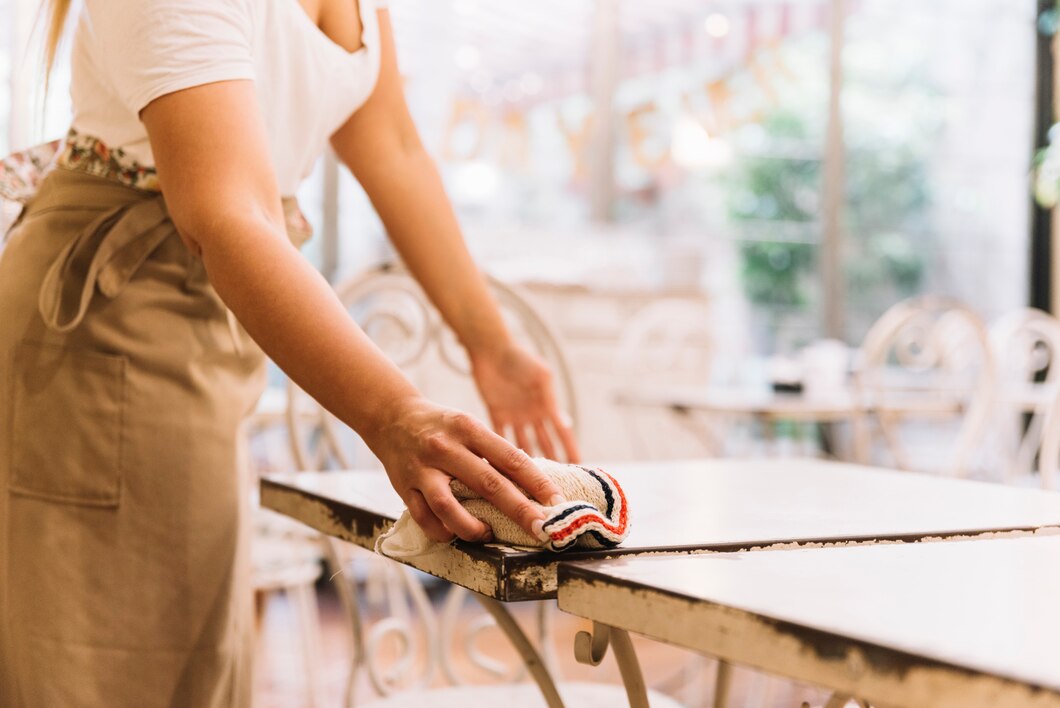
(392, 309)
(1049, 451)
(1026, 346)
(928, 359)
(667, 342)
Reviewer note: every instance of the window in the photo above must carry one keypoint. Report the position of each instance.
(718, 143)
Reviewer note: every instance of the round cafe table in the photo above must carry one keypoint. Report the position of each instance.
(767, 407)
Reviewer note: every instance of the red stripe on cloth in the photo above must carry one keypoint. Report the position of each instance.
(618, 529)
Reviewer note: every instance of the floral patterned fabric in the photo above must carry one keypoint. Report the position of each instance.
(84, 153)
(22, 172)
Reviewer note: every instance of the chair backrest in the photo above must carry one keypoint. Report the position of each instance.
(1026, 345)
(668, 342)
(1049, 449)
(920, 356)
(395, 313)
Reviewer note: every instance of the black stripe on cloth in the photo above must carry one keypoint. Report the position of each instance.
(608, 494)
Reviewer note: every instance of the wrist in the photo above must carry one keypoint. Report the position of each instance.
(493, 349)
(484, 335)
(388, 417)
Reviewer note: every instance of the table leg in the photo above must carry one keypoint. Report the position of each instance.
(529, 654)
(722, 684)
(590, 648)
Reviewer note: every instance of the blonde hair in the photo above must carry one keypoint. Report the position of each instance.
(57, 10)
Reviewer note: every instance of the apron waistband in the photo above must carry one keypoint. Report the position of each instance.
(108, 252)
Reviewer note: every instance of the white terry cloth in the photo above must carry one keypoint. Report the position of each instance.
(595, 515)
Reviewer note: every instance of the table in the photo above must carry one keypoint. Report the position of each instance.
(731, 505)
(685, 507)
(825, 406)
(767, 406)
(841, 405)
(963, 623)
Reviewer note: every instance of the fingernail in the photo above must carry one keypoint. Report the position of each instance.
(486, 537)
(538, 527)
(565, 420)
(557, 499)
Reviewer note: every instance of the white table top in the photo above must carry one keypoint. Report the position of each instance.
(947, 623)
(839, 404)
(692, 505)
(828, 406)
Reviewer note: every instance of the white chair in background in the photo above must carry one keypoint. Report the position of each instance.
(1026, 345)
(928, 359)
(392, 309)
(286, 557)
(666, 343)
(1049, 450)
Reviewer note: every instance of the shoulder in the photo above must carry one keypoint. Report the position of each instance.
(147, 48)
(165, 17)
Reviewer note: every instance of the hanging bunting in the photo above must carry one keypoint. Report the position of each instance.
(641, 128)
(515, 141)
(577, 140)
(467, 114)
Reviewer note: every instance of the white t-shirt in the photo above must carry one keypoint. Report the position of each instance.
(126, 53)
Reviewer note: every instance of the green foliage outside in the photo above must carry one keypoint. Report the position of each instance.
(773, 195)
(887, 196)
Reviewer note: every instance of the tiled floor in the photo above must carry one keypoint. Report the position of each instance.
(281, 677)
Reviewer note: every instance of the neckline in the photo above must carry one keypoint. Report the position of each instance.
(367, 41)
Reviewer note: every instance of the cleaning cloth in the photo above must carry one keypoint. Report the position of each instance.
(594, 516)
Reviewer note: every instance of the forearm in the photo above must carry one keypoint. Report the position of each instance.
(296, 318)
(411, 201)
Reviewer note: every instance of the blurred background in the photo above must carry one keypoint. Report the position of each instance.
(794, 166)
(711, 202)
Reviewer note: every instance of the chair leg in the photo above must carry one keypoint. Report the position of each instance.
(305, 600)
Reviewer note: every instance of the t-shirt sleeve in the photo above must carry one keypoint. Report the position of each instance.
(149, 48)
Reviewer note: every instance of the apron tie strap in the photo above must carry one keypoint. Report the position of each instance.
(109, 251)
(105, 254)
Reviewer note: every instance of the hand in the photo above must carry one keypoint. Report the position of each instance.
(517, 389)
(424, 446)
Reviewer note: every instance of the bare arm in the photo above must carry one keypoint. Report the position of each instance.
(210, 148)
(382, 148)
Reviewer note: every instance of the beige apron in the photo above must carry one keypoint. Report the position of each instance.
(123, 382)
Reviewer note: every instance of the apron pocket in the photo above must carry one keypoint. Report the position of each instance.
(68, 425)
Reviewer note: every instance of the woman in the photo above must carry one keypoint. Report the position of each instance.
(124, 375)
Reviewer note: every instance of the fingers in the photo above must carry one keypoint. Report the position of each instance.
(515, 464)
(561, 423)
(451, 513)
(499, 490)
(421, 513)
(522, 439)
(544, 440)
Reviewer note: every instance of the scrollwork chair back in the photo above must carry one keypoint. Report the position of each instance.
(928, 358)
(668, 342)
(395, 313)
(1026, 345)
